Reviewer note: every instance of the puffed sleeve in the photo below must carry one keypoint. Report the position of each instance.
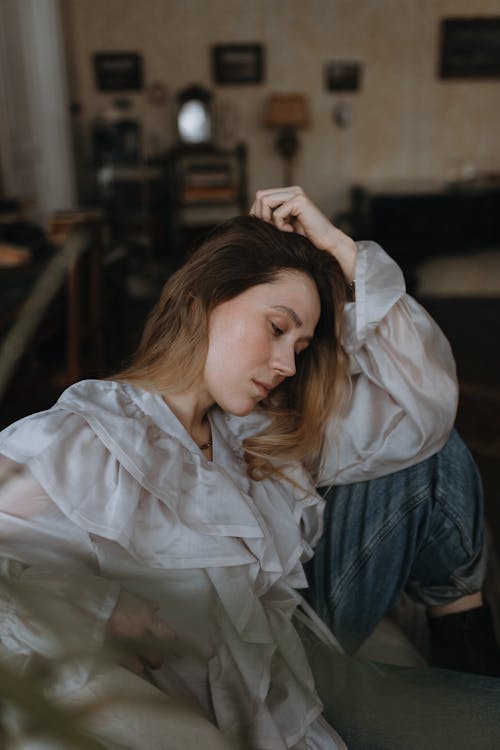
(402, 403)
(52, 600)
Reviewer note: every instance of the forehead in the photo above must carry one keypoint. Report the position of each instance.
(293, 282)
(290, 289)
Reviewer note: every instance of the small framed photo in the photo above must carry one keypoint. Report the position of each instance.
(470, 48)
(118, 71)
(343, 76)
(238, 64)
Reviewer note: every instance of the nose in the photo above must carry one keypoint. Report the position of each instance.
(283, 362)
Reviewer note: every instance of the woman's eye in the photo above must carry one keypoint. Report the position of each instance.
(277, 331)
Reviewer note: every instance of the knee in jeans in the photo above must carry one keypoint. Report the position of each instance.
(452, 563)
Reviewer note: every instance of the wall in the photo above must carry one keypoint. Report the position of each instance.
(406, 122)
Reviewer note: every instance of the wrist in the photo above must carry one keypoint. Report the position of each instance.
(345, 251)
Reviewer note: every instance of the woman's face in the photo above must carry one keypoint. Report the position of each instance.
(255, 338)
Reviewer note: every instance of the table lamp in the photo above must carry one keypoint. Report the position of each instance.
(287, 113)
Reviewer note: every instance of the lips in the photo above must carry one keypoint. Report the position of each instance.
(263, 388)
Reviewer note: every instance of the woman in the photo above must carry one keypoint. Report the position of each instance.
(177, 499)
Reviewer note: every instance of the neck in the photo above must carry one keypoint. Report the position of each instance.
(190, 408)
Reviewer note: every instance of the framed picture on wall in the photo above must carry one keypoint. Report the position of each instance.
(470, 48)
(118, 71)
(343, 76)
(238, 64)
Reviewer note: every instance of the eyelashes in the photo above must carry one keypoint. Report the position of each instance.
(278, 332)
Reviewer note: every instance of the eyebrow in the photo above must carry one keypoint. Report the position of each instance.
(290, 313)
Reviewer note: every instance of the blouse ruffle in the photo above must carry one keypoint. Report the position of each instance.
(151, 493)
(104, 457)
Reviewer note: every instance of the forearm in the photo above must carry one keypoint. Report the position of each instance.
(343, 248)
(404, 393)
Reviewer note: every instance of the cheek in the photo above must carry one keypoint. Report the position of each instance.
(226, 347)
(226, 340)
(234, 348)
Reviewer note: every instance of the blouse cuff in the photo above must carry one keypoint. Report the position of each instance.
(379, 285)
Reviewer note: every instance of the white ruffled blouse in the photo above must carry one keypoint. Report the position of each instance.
(116, 493)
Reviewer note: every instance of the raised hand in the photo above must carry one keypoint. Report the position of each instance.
(290, 210)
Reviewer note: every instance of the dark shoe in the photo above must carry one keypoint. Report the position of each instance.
(465, 642)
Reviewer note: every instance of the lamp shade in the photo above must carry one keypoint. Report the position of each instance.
(286, 110)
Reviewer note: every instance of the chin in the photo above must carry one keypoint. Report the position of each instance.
(238, 410)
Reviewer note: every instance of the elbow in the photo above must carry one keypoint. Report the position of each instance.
(442, 410)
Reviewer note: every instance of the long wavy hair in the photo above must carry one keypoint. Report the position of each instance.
(237, 255)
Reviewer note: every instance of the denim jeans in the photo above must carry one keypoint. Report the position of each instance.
(420, 530)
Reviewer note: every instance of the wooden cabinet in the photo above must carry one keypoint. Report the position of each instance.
(206, 186)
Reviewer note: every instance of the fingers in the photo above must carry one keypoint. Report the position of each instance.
(137, 662)
(159, 631)
(139, 632)
(268, 201)
(290, 210)
(282, 207)
(133, 663)
(261, 209)
(152, 658)
(287, 216)
(149, 649)
(132, 616)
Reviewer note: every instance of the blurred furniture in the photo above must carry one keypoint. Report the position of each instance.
(206, 186)
(51, 316)
(127, 187)
(116, 142)
(84, 309)
(416, 220)
(134, 199)
(475, 275)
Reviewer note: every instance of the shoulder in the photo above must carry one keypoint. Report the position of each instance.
(94, 426)
(111, 465)
(104, 405)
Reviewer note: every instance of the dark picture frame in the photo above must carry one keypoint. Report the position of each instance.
(343, 76)
(118, 71)
(238, 64)
(470, 48)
